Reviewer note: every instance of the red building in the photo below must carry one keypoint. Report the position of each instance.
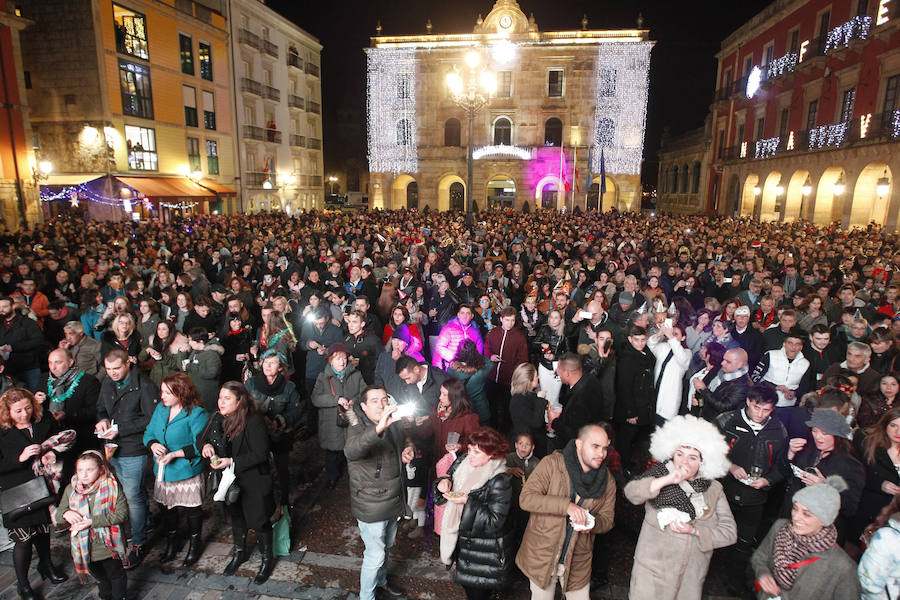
(18, 171)
(805, 117)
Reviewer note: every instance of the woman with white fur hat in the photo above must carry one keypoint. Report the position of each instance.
(799, 559)
(686, 514)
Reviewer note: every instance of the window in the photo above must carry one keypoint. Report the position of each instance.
(137, 98)
(212, 157)
(189, 95)
(695, 178)
(726, 79)
(187, 54)
(403, 86)
(673, 188)
(847, 105)
(131, 32)
(452, 132)
(768, 54)
(720, 148)
(404, 134)
(502, 132)
(205, 56)
(824, 22)
(795, 40)
(209, 110)
(193, 150)
(892, 94)
(748, 64)
(760, 127)
(812, 114)
(553, 132)
(555, 83)
(862, 8)
(504, 84)
(783, 126)
(606, 133)
(141, 145)
(684, 179)
(607, 83)
(740, 134)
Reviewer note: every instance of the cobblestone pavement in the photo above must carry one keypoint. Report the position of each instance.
(324, 562)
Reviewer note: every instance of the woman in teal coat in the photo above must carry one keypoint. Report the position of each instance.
(171, 437)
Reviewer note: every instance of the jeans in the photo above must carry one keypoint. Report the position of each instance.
(131, 470)
(378, 538)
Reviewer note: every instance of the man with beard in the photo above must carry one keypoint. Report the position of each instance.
(20, 341)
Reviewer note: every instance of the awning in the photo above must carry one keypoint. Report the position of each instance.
(222, 190)
(69, 180)
(166, 187)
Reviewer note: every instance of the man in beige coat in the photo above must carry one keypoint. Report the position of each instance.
(568, 488)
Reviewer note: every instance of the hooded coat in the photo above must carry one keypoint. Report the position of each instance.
(325, 397)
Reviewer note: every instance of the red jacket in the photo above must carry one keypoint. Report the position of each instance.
(511, 346)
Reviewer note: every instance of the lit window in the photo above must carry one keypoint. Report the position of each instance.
(131, 32)
(137, 97)
(187, 54)
(205, 56)
(141, 144)
(555, 83)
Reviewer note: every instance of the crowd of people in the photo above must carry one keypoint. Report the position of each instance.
(503, 383)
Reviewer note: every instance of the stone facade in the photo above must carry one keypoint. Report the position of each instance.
(683, 169)
(548, 92)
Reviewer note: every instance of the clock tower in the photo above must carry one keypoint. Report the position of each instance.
(506, 18)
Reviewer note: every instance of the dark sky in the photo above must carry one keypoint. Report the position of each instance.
(682, 70)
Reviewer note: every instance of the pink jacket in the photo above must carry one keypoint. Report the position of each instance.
(452, 335)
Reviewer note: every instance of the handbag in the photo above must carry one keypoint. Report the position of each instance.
(342, 420)
(25, 498)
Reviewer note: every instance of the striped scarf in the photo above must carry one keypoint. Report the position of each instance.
(791, 549)
(105, 492)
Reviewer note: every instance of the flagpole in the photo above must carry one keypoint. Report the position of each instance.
(574, 171)
(559, 183)
(587, 183)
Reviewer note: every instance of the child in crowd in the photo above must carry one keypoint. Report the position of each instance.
(95, 508)
(415, 474)
(441, 469)
(520, 463)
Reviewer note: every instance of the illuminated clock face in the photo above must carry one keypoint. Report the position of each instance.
(753, 81)
(505, 21)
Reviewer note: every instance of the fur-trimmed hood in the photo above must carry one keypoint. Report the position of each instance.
(687, 430)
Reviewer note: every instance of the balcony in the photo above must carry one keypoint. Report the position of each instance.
(782, 65)
(251, 86)
(314, 107)
(271, 93)
(312, 69)
(249, 38)
(314, 144)
(255, 179)
(251, 132)
(841, 36)
(269, 48)
(298, 141)
(315, 180)
(296, 102)
(273, 135)
(294, 61)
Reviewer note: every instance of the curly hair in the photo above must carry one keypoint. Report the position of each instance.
(687, 430)
(489, 441)
(10, 397)
(468, 354)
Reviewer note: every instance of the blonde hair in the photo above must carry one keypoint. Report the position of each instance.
(522, 378)
(10, 397)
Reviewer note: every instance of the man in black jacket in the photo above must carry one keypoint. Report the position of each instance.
(758, 442)
(364, 346)
(377, 494)
(582, 403)
(126, 403)
(635, 392)
(750, 339)
(70, 394)
(728, 390)
(20, 339)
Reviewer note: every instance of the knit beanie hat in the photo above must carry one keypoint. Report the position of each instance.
(823, 499)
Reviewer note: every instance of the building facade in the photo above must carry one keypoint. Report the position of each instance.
(805, 116)
(568, 110)
(19, 171)
(278, 105)
(131, 101)
(683, 170)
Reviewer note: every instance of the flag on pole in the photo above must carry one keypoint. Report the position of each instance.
(563, 169)
(587, 181)
(602, 173)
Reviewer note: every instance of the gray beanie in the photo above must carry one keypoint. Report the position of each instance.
(823, 499)
(831, 422)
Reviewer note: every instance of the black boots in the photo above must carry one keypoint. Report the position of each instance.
(25, 591)
(195, 549)
(238, 554)
(268, 556)
(50, 571)
(173, 545)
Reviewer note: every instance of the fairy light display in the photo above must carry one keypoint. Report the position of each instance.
(621, 106)
(767, 147)
(827, 135)
(782, 64)
(856, 28)
(391, 82)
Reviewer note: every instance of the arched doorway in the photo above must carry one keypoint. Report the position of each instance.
(868, 204)
(412, 196)
(770, 193)
(451, 192)
(501, 193)
(733, 196)
(793, 199)
(546, 193)
(400, 191)
(593, 197)
(828, 198)
(748, 198)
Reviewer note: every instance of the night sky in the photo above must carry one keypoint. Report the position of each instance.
(682, 71)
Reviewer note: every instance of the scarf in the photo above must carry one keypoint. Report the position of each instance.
(60, 389)
(791, 548)
(61, 442)
(105, 492)
(722, 377)
(686, 497)
(339, 374)
(753, 425)
(587, 485)
(465, 479)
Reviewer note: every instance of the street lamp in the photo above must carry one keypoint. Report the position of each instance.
(839, 186)
(883, 186)
(806, 188)
(332, 180)
(471, 90)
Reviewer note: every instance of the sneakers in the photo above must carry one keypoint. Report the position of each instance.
(134, 557)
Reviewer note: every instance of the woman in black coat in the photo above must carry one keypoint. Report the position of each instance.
(23, 428)
(528, 408)
(236, 435)
(477, 533)
(635, 392)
